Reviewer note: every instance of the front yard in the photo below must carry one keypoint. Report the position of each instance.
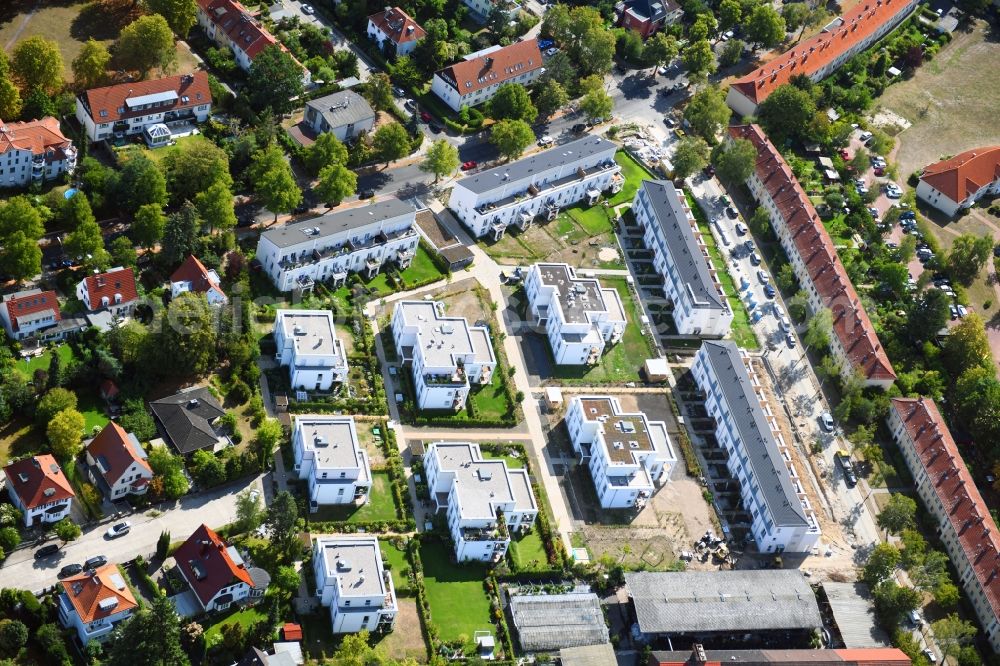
(458, 602)
(379, 507)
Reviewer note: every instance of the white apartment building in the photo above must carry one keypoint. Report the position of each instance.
(354, 584)
(961, 181)
(627, 454)
(476, 78)
(394, 26)
(33, 152)
(38, 488)
(129, 108)
(772, 492)
(329, 457)
(307, 343)
(446, 355)
(579, 317)
(93, 602)
(26, 313)
(680, 256)
(539, 185)
(327, 248)
(485, 501)
(949, 494)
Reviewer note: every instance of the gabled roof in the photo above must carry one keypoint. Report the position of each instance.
(114, 451)
(96, 595)
(200, 278)
(22, 306)
(187, 418)
(792, 657)
(207, 564)
(172, 92)
(815, 53)
(116, 281)
(493, 67)
(957, 494)
(965, 173)
(397, 25)
(342, 108)
(851, 325)
(38, 480)
(649, 10)
(38, 136)
(236, 22)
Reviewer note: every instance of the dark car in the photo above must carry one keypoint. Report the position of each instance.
(731, 212)
(434, 127)
(426, 117)
(366, 194)
(47, 551)
(95, 562)
(709, 170)
(70, 570)
(580, 128)
(622, 69)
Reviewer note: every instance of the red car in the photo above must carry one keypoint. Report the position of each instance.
(879, 171)
(424, 116)
(470, 165)
(844, 154)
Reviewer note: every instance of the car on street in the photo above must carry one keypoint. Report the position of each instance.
(47, 551)
(879, 171)
(545, 140)
(70, 570)
(662, 71)
(681, 85)
(931, 657)
(873, 212)
(366, 194)
(962, 311)
(954, 311)
(844, 460)
(763, 277)
(748, 245)
(826, 420)
(410, 105)
(731, 212)
(580, 128)
(679, 132)
(669, 122)
(740, 229)
(790, 340)
(769, 290)
(308, 9)
(398, 92)
(865, 136)
(755, 259)
(434, 127)
(118, 530)
(709, 170)
(892, 191)
(426, 117)
(95, 562)
(470, 165)
(551, 51)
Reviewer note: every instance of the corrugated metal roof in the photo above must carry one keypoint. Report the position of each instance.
(554, 621)
(854, 614)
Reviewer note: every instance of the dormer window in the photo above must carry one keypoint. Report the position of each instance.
(103, 113)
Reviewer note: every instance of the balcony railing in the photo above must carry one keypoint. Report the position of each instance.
(535, 190)
(317, 255)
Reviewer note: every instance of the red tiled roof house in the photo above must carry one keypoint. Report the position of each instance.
(34, 151)
(129, 108)
(39, 489)
(29, 312)
(820, 56)
(395, 31)
(476, 78)
(114, 290)
(193, 276)
(948, 492)
(116, 463)
(814, 259)
(93, 602)
(959, 182)
(645, 17)
(216, 572)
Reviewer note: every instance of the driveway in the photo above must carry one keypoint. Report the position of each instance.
(214, 508)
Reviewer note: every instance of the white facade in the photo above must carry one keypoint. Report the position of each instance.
(446, 355)
(485, 501)
(628, 455)
(115, 603)
(113, 290)
(354, 584)
(541, 184)
(330, 459)
(38, 488)
(34, 152)
(447, 92)
(681, 257)
(477, 77)
(213, 294)
(771, 491)
(26, 313)
(579, 317)
(327, 248)
(307, 343)
(46, 512)
(967, 177)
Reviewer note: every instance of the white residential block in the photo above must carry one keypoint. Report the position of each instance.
(353, 583)
(307, 343)
(330, 459)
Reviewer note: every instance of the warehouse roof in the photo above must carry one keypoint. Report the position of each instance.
(554, 621)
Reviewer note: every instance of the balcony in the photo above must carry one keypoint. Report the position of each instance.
(547, 189)
(457, 378)
(308, 257)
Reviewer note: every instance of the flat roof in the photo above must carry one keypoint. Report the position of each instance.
(332, 439)
(536, 164)
(441, 337)
(577, 296)
(625, 434)
(547, 622)
(352, 219)
(311, 331)
(854, 615)
(732, 602)
(480, 483)
(753, 429)
(356, 561)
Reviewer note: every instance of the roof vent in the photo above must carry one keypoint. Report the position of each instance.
(193, 402)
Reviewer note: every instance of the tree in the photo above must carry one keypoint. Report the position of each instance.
(67, 530)
(596, 104)
(64, 432)
(730, 13)
(140, 182)
(582, 34)
(967, 345)
(951, 633)
(163, 545)
(208, 470)
(550, 96)
(10, 96)
(441, 159)
(13, 636)
(511, 137)
(287, 580)
(690, 156)
(215, 206)
(326, 150)
(273, 181)
(893, 602)
(898, 514)
(10, 538)
(512, 102)
(148, 225)
(274, 79)
(734, 161)
(53, 402)
(180, 14)
(795, 14)
(818, 329)
(190, 168)
(249, 512)
(180, 234)
(336, 182)
(170, 469)
(786, 113)
(151, 636)
(188, 335)
(708, 113)
(21, 256)
(661, 49)
(282, 522)
(765, 27)
(946, 594)
(731, 52)
(927, 315)
(37, 63)
(699, 59)
(883, 560)
(967, 257)
(145, 44)
(378, 91)
(391, 142)
(90, 67)
(85, 240)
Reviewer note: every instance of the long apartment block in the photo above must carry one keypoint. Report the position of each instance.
(759, 458)
(484, 500)
(949, 493)
(813, 256)
(681, 257)
(307, 343)
(352, 581)
(628, 455)
(538, 185)
(447, 356)
(580, 317)
(329, 247)
(331, 460)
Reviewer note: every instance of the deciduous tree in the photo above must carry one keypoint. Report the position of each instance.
(699, 59)
(734, 161)
(550, 96)
(582, 33)
(336, 182)
(881, 563)
(65, 431)
(391, 142)
(730, 13)
(249, 512)
(170, 469)
(147, 43)
(951, 633)
(85, 240)
(188, 335)
(22, 258)
(967, 257)
(765, 27)
(216, 207)
(148, 225)
(690, 156)
(511, 137)
(378, 91)
(90, 67)
(140, 182)
(10, 96)
(441, 159)
(818, 329)
(927, 315)
(190, 168)
(37, 63)
(13, 636)
(274, 79)
(898, 514)
(661, 49)
(326, 150)
(53, 402)
(967, 345)
(596, 103)
(708, 113)
(512, 102)
(731, 52)
(786, 113)
(272, 180)
(180, 14)
(67, 530)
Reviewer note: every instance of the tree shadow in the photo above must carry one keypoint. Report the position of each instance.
(96, 21)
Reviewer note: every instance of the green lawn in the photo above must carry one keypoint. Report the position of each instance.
(838, 229)
(459, 605)
(593, 219)
(512, 462)
(41, 362)
(528, 551)
(633, 173)
(192, 140)
(397, 560)
(18, 438)
(420, 271)
(380, 505)
(246, 618)
(92, 409)
(490, 400)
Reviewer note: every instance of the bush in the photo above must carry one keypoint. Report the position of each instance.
(9, 538)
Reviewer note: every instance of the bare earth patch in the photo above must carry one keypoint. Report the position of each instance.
(406, 640)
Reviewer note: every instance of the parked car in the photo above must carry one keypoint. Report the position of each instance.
(434, 128)
(679, 132)
(468, 166)
(931, 657)
(308, 9)
(410, 105)
(47, 551)
(70, 570)
(366, 194)
(426, 117)
(662, 71)
(545, 140)
(669, 122)
(790, 340)
(755, 259)
(545, 43)
(879, 171)
(95, 562)
(398, 92)
(962, 311)
(748, 245)
(865, 136)
(826, 419)
(118, 530)
(954, 311)
(769, 290)
(551, 51)
(731, 212)
(709, 170)
(740, 229)
(844, 155)
(763, 277)
(844, 460)
(580, 128)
